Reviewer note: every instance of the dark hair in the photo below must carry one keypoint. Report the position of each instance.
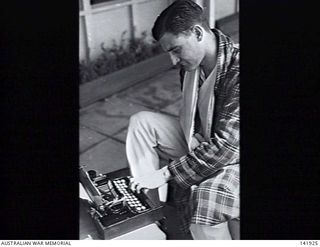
(179, 17)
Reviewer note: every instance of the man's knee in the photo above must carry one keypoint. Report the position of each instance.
(222, 201)
(207, 232)
(140, 118)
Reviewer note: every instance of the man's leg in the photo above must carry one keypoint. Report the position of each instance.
(234, 228)
(150, 135)
(225, 231)
(215, 203)
(205, 232)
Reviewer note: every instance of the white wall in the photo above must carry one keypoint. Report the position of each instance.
(108, 26)
(146, 14)
(224, 8)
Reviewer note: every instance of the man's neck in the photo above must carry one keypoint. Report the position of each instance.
(209, 61)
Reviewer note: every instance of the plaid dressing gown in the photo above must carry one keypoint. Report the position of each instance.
(214, 166)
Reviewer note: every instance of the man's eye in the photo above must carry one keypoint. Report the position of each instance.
(177, 51)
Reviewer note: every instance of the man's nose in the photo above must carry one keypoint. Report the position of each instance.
(174, 58)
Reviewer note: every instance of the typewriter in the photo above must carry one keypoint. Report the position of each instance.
(114, 208)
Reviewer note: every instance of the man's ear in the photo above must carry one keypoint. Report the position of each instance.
(198, 31)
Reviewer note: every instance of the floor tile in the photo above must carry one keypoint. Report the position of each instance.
(110, 116)
(107, 156)
(121, 136)
(157, 92)
(88, 137)
(173, 109)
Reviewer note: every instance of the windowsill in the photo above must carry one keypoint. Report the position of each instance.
(109, 3)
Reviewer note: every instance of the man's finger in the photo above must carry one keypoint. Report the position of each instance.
(133, 186)
(194, 143)
(139, 188)
(131, 181)
(199, 137)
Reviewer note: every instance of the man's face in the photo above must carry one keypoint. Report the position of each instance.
(184, 49)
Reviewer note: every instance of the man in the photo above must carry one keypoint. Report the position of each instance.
(203, 146)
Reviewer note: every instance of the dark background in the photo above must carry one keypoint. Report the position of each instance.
(279, 120)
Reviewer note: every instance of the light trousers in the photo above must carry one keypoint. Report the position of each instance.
(153, 138)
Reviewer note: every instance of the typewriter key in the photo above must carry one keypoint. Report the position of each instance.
(92, 174)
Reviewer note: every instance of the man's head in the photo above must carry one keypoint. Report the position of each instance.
(180, 29)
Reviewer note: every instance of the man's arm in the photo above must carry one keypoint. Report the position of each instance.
(223, 149)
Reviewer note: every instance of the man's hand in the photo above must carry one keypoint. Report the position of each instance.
(196, 140)
(150, 180)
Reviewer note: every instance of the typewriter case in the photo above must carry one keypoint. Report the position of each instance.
(110, 225)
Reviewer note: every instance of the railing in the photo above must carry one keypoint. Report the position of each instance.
(106, 22)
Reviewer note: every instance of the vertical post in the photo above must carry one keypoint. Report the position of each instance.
(209, 10)
(133, 23)
(88, 30)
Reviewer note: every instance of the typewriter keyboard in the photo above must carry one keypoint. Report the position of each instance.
(133, 202)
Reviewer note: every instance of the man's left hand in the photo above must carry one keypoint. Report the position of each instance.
(150, 180)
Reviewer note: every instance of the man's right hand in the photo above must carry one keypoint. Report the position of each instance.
(196, 140)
